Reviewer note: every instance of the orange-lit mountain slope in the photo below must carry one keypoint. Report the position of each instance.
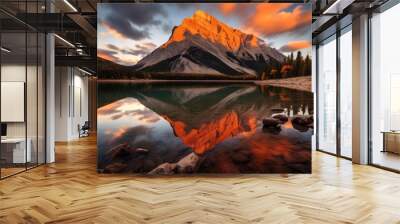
(203, 44)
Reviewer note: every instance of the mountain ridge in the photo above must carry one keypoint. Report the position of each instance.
(202, 44)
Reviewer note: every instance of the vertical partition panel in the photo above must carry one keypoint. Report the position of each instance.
(327, 96)
(32, 98)
(385, 89)
(346, 93)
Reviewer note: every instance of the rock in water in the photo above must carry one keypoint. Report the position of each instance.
(271, 122)
(165, 168)
(241, 156)
(187, 164)
(303, 120)
(272, 130)
(121, 151)
(142, 151)
(301, 128)
(281, 117)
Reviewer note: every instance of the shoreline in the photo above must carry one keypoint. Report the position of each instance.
(301, 83)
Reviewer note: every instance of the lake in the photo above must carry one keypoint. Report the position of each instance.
(192, 127)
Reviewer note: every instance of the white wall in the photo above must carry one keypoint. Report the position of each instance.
(71, 102)
(33, 126)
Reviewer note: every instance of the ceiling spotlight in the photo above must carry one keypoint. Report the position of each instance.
(70, 5)
(65, 41)
(5, 50)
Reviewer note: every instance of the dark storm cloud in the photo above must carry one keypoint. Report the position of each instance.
(127, 18)
(113, 47)
(125, 28)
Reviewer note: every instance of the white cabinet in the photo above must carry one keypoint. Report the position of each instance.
(19, 155)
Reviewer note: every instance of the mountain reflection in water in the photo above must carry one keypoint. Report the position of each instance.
(201, 128)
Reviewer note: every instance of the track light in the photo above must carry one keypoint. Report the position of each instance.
(65, 41)
(70, 5)
(5, 50)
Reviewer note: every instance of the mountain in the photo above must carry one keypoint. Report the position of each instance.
(204, 45)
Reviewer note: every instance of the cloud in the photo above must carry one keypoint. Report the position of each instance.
(132, 21)
(273, 19)
(112, 47)
(227, 8)
(136, 52)
(126, 56)
(107, 54)
(150, 45)
(122, 29)
(295, 45)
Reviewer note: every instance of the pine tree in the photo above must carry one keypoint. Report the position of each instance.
(307, 65)
(299, 65)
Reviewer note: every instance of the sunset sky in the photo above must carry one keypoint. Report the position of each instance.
(128, 32)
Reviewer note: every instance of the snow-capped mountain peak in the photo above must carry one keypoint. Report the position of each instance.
(202, 44)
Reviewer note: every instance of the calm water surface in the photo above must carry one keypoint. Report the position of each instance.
(200, 128)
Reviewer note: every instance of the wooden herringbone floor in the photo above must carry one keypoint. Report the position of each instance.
(70, 191)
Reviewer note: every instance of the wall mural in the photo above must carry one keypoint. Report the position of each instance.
(204, 88)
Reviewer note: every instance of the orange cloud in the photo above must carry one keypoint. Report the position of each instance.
(106, 54)
(113, 32)
(295, 45)
(227, 8)
(272, 19)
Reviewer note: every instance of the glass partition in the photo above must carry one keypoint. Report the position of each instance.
(13, 93)
(22, 77)
(326, 99)
(346, 93)
(385, 89)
